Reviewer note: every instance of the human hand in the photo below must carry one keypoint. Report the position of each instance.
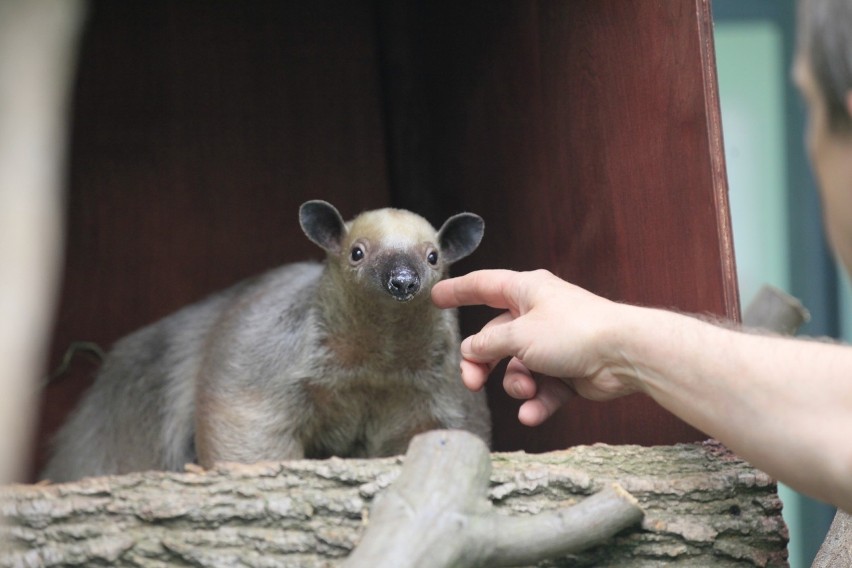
(562, 339)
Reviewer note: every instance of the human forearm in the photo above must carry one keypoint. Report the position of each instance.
(783, 404)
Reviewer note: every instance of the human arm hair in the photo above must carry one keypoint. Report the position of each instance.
(783, 404)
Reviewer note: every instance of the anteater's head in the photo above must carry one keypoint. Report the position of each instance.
(390, 252)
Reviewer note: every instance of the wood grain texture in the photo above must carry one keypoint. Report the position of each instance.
(199, 129)
(587, 135)
(585, 132)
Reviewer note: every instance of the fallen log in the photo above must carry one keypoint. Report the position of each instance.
(703, 506)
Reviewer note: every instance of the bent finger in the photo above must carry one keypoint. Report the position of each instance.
(503, 318)
(518, 381)
(474, 375)
(492, 343)
(551, 395)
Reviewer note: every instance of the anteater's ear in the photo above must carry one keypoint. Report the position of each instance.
(460, 235)
(322, 224)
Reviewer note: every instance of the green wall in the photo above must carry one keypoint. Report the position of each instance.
(774, 207)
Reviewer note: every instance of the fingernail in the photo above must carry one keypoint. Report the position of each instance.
(465, 345)
(529, 415)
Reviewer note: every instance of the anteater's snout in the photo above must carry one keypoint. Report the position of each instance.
(403, 283)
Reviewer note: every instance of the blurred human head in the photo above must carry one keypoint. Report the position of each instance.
(823, 73)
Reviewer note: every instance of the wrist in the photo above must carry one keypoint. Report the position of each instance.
(627, 356)
(657, 350)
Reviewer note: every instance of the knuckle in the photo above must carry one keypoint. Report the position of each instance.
(479, 342)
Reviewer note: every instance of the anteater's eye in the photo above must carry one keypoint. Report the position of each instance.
(432, 258)
(357, 254)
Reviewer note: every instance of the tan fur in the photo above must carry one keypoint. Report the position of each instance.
(349, 353)
(348, 358)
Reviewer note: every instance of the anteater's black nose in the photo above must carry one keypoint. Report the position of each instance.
(403, 283)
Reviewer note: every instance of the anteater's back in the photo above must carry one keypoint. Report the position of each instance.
(139, 414)
(346, 358)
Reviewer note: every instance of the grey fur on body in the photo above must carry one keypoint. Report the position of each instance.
(347, 358)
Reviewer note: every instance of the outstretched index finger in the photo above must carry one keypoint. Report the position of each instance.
(495, 288)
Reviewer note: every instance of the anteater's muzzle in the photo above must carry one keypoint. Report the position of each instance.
(403, 283)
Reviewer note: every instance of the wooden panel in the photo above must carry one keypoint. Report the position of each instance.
(199, 128)
(587, 134)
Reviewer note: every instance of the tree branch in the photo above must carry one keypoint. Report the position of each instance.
(438, 514)
(520, 541)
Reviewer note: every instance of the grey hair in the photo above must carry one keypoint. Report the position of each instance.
(825, 40)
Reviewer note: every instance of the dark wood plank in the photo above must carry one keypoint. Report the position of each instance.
(587, 135)
(199, 128)
(586, 132)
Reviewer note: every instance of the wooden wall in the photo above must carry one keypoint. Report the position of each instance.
(585, 132)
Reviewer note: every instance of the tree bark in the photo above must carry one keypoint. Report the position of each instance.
(775, 310)
(836, 550)
(437, 514)
(703, 506)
